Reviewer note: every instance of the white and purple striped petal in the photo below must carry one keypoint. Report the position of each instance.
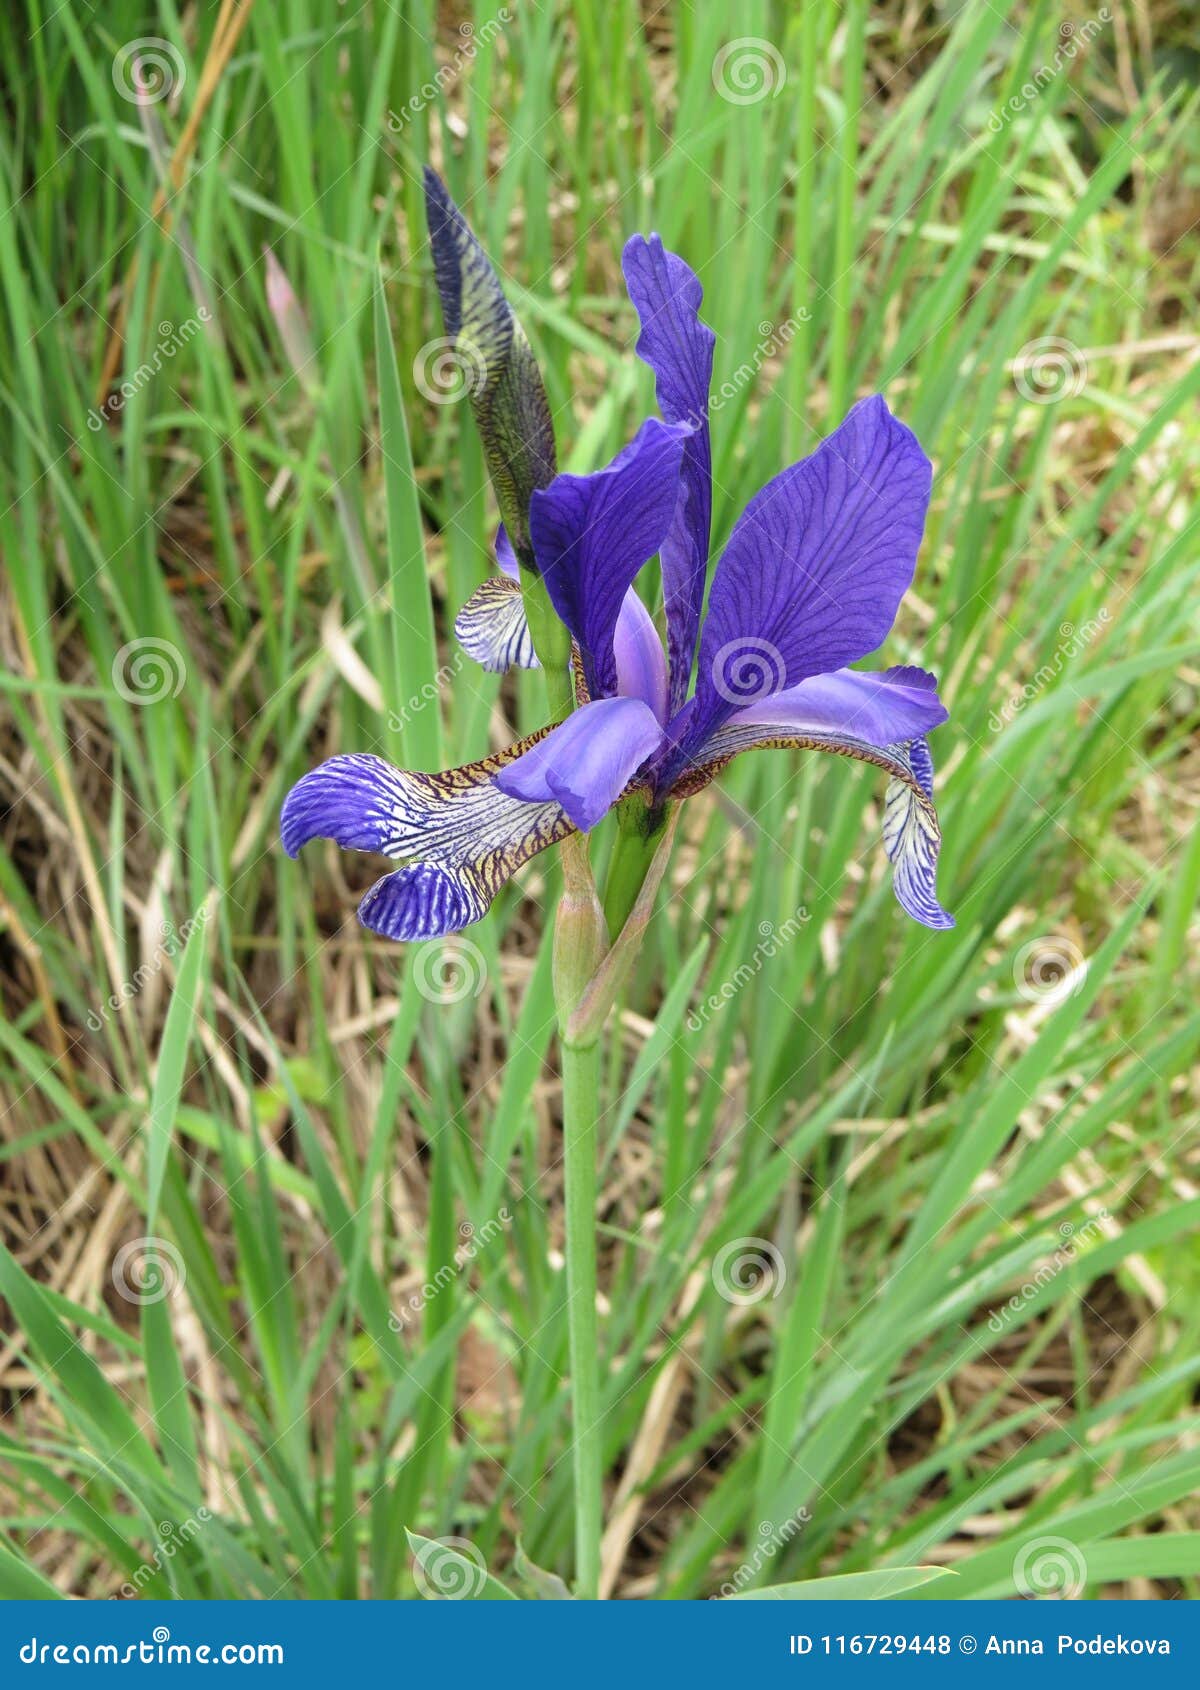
(467, 835)
(491, 627)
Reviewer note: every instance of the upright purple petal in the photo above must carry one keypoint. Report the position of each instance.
(505, 556)
(586, 762)
(815, 568)
(592, 533)
(679, 349)
(641, 661)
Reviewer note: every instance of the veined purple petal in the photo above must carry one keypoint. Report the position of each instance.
(468, 835)
(586, 762)
(678, 347)
(592, 533)
(886, 707)
(815, 568)
(641, 661)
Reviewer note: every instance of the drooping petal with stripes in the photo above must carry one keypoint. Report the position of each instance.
(813, 717)
(465, 834)
(491, 627)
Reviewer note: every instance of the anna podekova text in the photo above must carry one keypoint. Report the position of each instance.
(867, 1643)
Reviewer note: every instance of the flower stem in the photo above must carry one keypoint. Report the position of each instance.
(578, 948)
(581, 1087)
(638, 836)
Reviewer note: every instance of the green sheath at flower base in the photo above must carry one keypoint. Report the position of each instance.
(499, 370)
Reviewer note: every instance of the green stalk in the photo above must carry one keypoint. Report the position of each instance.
(632, 853)
(578, 945)
(581, 1090)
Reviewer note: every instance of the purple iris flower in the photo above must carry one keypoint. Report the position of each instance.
(809, 582)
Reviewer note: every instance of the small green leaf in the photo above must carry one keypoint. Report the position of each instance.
(875, 1586)
(452, 1569)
